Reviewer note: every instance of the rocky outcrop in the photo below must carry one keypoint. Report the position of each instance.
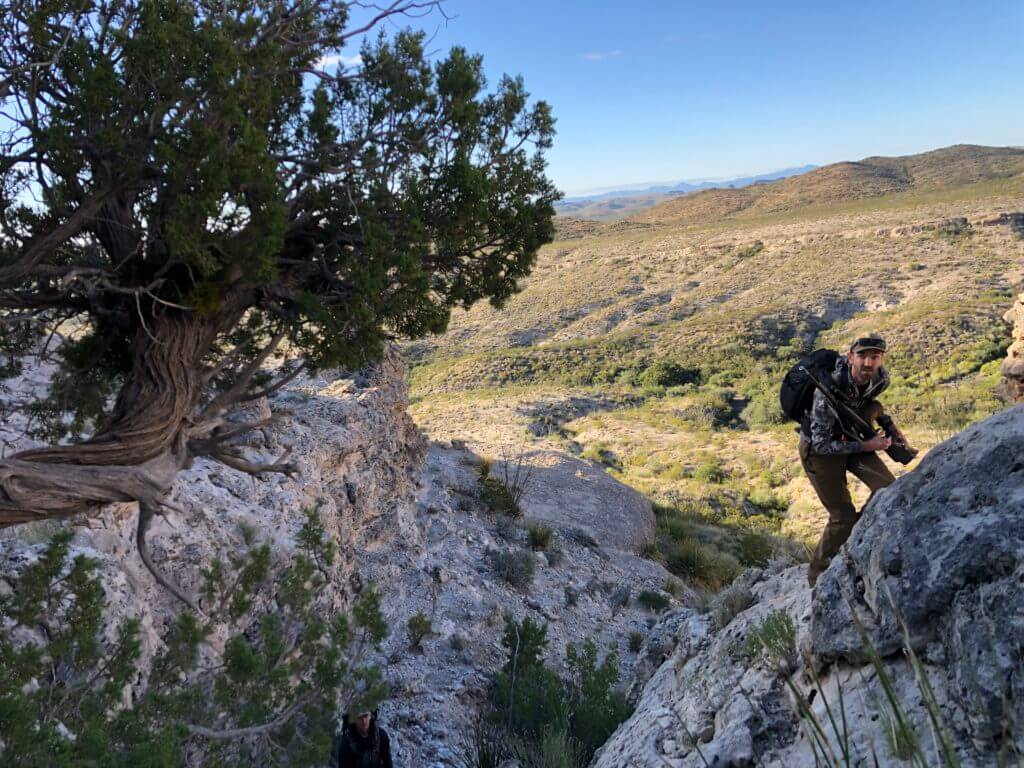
(358, 455)
(582, 499)
(1013, 365)
(407, 516)
(935, 566)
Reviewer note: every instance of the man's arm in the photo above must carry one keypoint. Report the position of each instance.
(822, 425)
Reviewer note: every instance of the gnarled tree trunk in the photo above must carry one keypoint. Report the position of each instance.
(137, 453)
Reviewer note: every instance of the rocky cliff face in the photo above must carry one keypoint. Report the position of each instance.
(936, 567)
(408, 517)
(1013, 365)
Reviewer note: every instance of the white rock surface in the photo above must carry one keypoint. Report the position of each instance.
(407, 517)
(958, 585)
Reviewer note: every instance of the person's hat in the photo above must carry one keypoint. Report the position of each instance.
(871, 341)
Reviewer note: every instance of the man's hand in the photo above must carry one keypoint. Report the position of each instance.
(877, 443)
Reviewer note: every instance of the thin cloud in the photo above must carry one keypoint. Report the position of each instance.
(602, 55)
(338, 58)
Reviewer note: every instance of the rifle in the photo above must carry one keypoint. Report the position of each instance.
(898, 451)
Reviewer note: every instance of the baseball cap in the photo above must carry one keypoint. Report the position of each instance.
(871, 341)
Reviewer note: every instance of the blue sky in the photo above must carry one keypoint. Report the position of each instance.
(655, 90)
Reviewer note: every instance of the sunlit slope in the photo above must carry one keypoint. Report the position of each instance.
(939, 170)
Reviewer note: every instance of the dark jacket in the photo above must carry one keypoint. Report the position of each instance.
(354, 751)
(822, 427)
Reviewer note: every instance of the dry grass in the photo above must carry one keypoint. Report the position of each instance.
(610, 301)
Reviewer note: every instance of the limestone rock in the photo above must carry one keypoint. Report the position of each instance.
(569, 494)
(944, 545)
(1013, 365)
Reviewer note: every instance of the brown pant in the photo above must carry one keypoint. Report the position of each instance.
(828, 476)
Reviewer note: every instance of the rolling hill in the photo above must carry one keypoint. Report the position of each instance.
(945, 168)
(655, 346)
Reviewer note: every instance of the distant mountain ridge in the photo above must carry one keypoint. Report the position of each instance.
(691, 185)
(948, 167)
(619, 203)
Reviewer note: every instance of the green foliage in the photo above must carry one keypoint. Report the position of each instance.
(775, 640)
(540, 536)
(547, 720)
(636, 641)
(498, 497)
(290, 666)
(666, 373)
(653, 601)
(690, 560)
(418, 627)
(189, 176)
(516, 566)
(711, 471)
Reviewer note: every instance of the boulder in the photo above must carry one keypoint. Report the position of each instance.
(576, 496)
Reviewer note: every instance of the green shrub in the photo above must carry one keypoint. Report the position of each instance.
(711, 471)
(553, 722)
(498, 498)
(418, 627)
(556, 749)
(653, 601)
(517, 567)
(729, 603)
(595, 708)
(540, 536)
(636, 641)
(775, 640)
(287, 670)
(688, 559)
(666, 373)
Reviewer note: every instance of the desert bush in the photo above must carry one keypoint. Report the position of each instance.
(555, 749)
(507, 528)
(636, 641)
(551, 718)
(774, 639)
(498, 497)
(619, 597)
(595, 707)
(418, 628)
(666, 373)
(750, 250)
(653, 601)
(280, 676)
(673, 588)
(517, 567)
(457, 642)
(729, 603)
(711, 471)
(688, 559)
(540, 536)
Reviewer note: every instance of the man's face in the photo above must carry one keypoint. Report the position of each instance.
(865, 364)
(363, 723)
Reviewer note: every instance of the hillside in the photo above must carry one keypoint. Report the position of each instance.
(655, 350)
(871, 177)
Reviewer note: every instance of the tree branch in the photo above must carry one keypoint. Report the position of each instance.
(254, 730)
(235, 461)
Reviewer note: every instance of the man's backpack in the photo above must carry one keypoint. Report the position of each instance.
(797, 390)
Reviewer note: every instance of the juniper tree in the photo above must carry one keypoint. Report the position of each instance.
(287, 664)
(187, 190)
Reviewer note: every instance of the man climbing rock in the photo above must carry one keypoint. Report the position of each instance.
(362, 744)
(827, 450)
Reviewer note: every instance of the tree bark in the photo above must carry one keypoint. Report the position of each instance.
(137, 453)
